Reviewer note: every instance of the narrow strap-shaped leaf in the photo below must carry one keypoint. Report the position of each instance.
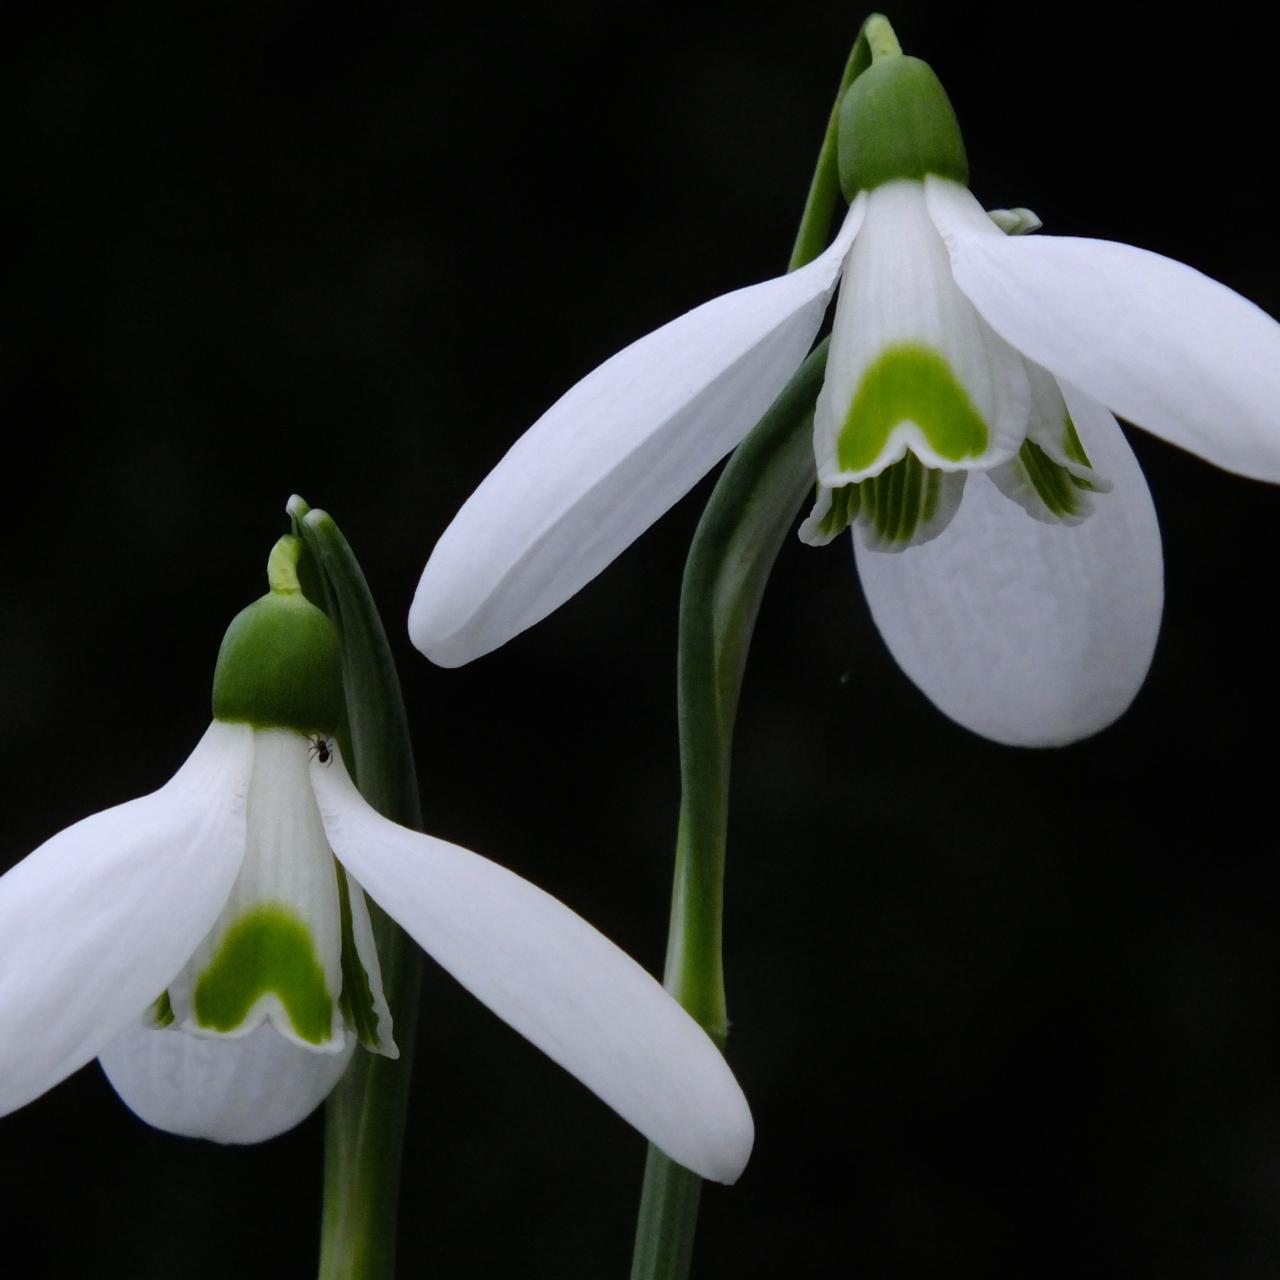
(364, 1117)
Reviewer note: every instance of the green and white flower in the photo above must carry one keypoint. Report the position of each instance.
(1008, 546)
(211, 945)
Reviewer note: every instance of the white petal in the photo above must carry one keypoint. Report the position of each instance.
(879, 506)
(246, 1089)
(1028, 633)
(898, 292)
(554, 978)
(611, 455)
(1050, 427)
(1015, 222)
(1156, 341)
(288, 873)
(1049, 449)
(98, 919)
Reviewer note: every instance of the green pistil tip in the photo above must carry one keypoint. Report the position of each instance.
(881, 39)
(282, 565)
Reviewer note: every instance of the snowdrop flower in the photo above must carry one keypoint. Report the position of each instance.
(1006, 540)
(210, 943)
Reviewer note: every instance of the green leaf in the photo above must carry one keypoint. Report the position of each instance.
(364, 1119)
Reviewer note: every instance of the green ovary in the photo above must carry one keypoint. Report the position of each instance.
(266, 951)
(910, 383)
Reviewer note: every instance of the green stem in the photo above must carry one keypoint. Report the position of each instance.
(668, 1219)
(749, 514)
(737, 541)
(824, 189)
(364, 1117)
(738, 538)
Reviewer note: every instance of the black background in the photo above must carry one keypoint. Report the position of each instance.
(997, 1012)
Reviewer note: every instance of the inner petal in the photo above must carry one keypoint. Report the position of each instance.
(913, 367)
(905, 505)
(1051, 477)
(364, 1005)
(910, 394)
(275, 954)
(267, 957)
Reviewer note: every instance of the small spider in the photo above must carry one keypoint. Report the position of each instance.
(321, 748)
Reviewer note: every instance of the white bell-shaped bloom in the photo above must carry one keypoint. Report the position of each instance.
(1008, 548)
(210, 942)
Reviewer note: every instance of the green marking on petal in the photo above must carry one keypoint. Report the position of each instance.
(842, 512)
(897, 501)
(909, 382)
(1071, 445)
(929, 499)
(356, 1001)
(909, 503)
(267, 950)
(1056, 487)
(161, 1012)
(896, 504)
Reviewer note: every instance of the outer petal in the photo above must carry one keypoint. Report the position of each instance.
(1156, 341)
(246, 1089)
(1029, 633)
(554, 978)
(611, 455)
(96, 921)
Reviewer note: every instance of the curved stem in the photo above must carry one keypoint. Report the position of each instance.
(738, 539)
(749, 514)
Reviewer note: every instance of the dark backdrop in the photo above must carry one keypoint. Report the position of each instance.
(997, 1012)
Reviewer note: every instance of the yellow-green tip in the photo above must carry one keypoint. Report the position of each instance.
(881, 39)
(282, 565)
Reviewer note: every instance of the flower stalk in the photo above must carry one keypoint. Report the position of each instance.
(737, 541)
(814, 233)
(734, 548)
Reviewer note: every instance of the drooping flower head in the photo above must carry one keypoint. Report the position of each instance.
(210, 942)
(1004, 534)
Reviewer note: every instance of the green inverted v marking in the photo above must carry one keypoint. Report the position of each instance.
(268, 949)
(909, 382)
